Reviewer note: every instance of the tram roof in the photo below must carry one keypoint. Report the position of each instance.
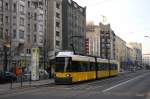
(82, 57)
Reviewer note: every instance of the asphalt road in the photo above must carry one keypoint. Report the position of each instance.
(125, 86)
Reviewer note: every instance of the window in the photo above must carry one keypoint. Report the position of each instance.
(21, 8)
(28, 51)
(22, 21)
(35, 16)
(28, 37)
(28, 27)
(21, 34)
(58, 5)
(1, 5)
(57, 24)
(1, 33)
(41, 40)
(6, 6)
(57, 15)
(41, 27)
(57, 33)
(58, 43)
(28, 3)
(92, 66)
(15, 7)
(6, 32)
(14, 34)
(6, 19)
(63, 64)
(41, 16)
(34, 38)
(35, 27)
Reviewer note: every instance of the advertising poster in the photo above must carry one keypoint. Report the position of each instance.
(35, 64)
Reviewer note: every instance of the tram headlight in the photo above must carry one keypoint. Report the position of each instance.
(68, 75)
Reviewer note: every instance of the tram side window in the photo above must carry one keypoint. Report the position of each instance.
(103, 66)
(113, 66)
(85, 66)
(76, 66)
(99, 66)
(92, 66)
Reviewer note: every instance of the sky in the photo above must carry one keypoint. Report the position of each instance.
(130, 19)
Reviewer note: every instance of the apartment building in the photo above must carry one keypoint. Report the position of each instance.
(73, 26)
(93, 36)
(54, 34)
(24, 27)
(120, 51)
(137, 47)
(101, 41)
(107, 41)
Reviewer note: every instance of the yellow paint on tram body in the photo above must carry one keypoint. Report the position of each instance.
(103, 74)
(78, 76)
(83, 76)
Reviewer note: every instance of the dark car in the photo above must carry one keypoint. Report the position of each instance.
(9, 76)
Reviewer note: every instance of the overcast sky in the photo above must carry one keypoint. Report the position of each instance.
(130, 19)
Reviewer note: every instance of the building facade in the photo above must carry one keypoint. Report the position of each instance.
(54, 34)
(73, 26)
(121, 54)
(131, 57)
(24, 27)
(137, 47)
(146, 60)
(101, 41)
(93, 35)
(107, 42)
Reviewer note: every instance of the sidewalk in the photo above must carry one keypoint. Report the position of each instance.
(7, 87)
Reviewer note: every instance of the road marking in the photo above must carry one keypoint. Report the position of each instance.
(95, 87)
(124, 82)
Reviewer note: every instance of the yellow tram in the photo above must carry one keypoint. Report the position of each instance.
(72, 68)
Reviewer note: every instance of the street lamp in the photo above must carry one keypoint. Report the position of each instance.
(72, 45)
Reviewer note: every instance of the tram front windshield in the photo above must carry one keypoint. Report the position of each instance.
(62, 63)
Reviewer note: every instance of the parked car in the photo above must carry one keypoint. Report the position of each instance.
(10, 76)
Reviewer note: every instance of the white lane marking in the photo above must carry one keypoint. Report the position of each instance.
(124, 82)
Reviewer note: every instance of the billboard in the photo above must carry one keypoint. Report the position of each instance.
(35, 64)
